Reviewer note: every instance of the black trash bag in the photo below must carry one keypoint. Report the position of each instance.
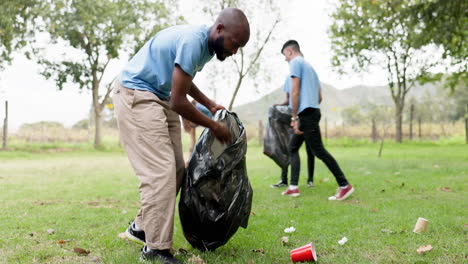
(216, 195)
(278, 133)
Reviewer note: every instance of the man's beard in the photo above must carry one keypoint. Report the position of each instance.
(218, 47)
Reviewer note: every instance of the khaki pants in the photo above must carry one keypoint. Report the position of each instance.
(150, 134)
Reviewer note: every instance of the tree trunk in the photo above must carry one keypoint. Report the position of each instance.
(98, 129)
(411, 122)
(234, 95)
(374, 131)
(97, 113)
(5, 127)
(398, 123)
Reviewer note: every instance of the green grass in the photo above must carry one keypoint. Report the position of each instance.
(88, 197)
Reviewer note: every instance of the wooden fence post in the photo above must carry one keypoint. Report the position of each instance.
(5, 127)
(466, 124)
(419, 128)
(326, 128)
(260, 132)
(411, 122)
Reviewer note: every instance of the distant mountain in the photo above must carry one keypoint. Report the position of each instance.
(333, 100)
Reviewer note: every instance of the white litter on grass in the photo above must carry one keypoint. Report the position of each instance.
(343, 241)
(332, 198)
(289, 229)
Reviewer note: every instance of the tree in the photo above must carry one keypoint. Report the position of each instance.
(352, 114)
(17, 20)
(97, 31)
(443, 23)
(263, 18)
(380, 32)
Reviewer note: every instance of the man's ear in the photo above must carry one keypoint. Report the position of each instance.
(219, 28)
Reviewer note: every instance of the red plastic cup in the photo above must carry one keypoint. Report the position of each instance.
(304, 253)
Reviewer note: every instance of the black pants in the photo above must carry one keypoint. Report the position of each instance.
(309, 124)
(295, 144)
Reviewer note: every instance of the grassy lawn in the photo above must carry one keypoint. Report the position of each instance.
(88, 197)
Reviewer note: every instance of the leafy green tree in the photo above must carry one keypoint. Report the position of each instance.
(263, 17)
(98, 31)
(352, 114)
(443, 23)
(380, 32)
(17, 20)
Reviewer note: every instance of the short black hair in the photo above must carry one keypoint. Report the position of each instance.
(292, 43)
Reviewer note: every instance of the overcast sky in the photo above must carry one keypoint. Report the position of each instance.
(33, 99)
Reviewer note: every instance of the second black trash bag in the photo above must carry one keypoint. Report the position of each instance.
(216, 196)
(278, 133)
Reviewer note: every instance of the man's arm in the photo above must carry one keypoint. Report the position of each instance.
(198, 95)
(320, 94)
(181, 86)
(295, 93)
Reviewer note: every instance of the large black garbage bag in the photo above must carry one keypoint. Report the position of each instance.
(216, 195)
(278, 133)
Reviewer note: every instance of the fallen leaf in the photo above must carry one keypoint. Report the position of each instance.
(81, 252)
(284, 240)
(446, 189)
(252, 213)
(412, 190)
(374, 210)
(195, 260)
(62, 241)
(424, 249)
(260, 250)
(50, 231)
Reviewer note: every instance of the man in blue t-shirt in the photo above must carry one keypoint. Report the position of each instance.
(149, 96)
(295, 143)
(304, 100)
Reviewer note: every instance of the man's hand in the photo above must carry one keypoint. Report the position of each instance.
(216, 108)
(222, 133)
(295, 126)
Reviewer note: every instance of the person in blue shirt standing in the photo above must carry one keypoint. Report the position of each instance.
(149, 96)
(304, 100)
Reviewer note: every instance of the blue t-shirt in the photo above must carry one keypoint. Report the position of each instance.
(203, 109)
(310, 84)
(152, 67)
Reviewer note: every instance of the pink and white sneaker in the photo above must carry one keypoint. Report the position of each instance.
(293, 193)
(342, 193)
